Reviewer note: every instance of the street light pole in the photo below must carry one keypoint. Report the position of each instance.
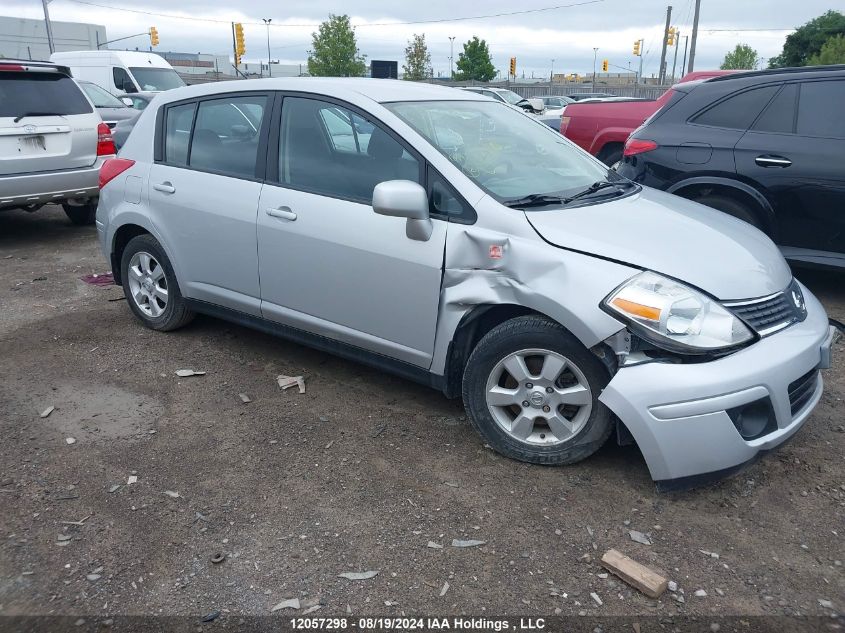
(552, 73)
(452, 57)
(595, 53)
(49, 26)
(267, 24)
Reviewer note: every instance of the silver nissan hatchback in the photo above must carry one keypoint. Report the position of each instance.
(446, 237)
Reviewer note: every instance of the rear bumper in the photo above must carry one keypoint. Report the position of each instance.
(20, 190)
(680, 415)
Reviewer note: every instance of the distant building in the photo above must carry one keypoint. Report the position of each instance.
(23, 38)
(275, 69)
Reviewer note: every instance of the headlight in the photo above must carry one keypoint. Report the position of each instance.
(674, 316)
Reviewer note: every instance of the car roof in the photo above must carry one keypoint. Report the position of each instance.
(35, 65)
(379, 90)
(775, 73)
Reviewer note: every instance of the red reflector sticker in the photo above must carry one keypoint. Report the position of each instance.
(495, 251)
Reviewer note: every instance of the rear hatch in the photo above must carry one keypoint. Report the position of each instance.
(46, 123)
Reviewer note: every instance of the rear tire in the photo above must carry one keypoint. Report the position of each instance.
(730, 206)
(551, 413)
(610, 155)
(150, 285)
(81, 215)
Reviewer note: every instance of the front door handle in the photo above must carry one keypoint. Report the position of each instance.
(772, 161)
(165, 187)
(283, 213)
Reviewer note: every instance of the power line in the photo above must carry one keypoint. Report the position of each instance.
(316, 24)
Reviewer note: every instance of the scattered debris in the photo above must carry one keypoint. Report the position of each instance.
(64, 537)
(244, 398)
(467, 543)
(46, 412)
(710, 554)
(93, 577)
(638, 576)
(185, 373)
(329, 445)
(293, 603)
(639, 537)
(218, 558)
(434, 545)
(172, 494)
(378, 430)
(358, 575)
(672, 586)
(286, 382)
(700, 593)
(211, 617)
(451, 484)
(827, 604)
(103, 279)
(444, 589)
(132, 479)
(80, 522)
(114, 488)
(316, 607)
(595, 597)
(70, 440)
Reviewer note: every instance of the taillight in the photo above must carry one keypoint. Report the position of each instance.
(564, 123)
(112, 168)
(635, 146)
(15, 67)
(105, 141)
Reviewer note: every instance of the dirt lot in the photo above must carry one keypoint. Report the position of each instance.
(358, 474)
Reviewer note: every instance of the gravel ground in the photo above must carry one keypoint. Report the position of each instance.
(364, 472)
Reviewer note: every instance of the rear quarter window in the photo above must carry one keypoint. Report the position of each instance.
(738, 111)
(44, 93)
(820, 109)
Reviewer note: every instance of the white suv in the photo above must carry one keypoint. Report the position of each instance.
(52, 141)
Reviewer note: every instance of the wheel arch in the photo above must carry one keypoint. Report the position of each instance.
(692, 188)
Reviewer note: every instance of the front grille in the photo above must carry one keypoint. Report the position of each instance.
(801, 390)
(773, 313)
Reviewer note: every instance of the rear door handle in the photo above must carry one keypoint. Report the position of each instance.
(283, 213)
(772, 161)
(165, 187)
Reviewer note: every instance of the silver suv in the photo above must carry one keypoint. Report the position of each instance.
(448, 238)
(52, 141)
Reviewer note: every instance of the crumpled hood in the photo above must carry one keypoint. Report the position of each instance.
(711, 250)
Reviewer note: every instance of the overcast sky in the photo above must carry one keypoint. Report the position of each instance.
(565, 34)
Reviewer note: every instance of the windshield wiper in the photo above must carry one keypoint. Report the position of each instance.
(596, 186)
(18, 118)
(534, 200)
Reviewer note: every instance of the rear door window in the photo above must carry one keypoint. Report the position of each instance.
(779, 116)
(122, 80)
(738, 111)
(40, 93)
(820, 109)
(226, 135)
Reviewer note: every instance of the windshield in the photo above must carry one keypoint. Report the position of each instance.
(157, 78)
(505, 152)
(101, 98)
(510, 96)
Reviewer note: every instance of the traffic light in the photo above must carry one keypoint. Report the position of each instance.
(604, 66)
(513, 66)
(637, 48)
(670, 36)
(153, 36)
(240, 47)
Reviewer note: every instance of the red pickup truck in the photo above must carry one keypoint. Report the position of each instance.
(602, 127)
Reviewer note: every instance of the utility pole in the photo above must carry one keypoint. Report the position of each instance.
(552, 71)
(267, 23)
(677, 45)
(595, 53)
(694, 36)
(452, 57)
(662, 70)
(686, 43)
(49, 26)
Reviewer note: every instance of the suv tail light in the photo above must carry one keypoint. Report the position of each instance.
(564, 123)
(634, 146)
(12, 67)
(105, 141)
(112, 168)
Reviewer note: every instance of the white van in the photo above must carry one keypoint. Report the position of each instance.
(121, 71)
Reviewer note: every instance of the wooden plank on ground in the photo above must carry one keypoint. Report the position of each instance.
(639, 576)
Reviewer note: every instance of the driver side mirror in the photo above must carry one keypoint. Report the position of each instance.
(405, 199)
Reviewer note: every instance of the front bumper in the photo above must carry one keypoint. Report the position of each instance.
(21, 190)
(679, 414)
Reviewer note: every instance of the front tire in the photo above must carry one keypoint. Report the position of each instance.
(150, 285)
(531, 391)
(81, 215)
(731, 207)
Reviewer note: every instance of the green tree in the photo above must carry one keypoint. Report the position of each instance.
(474, 62)
(334, 50)
(743, 57)
(417, 59)
(807, 40)
(832, 52)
